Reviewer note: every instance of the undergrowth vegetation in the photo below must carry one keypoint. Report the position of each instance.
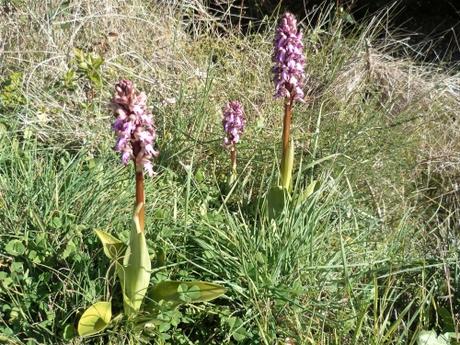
(368, 255)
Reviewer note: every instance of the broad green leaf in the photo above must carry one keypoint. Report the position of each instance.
(286, 167)
(95, 318)
(188, 294)
(178, 292)
(69, 332)
(136, 268)
(114, 249)
(277, 198)
(15, 247)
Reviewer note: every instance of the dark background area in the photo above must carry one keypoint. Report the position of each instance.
(434, 24)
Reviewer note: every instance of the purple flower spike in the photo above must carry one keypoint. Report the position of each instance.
(233, 122)
(134, 127)
(289, 59)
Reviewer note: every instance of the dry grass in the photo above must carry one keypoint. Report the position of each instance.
(144, 43)
(400, 83)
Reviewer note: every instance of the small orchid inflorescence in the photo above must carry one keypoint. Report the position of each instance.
(233, 121)
(289, 59)
(134, 127)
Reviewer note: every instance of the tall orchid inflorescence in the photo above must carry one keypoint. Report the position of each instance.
(289, 59)
(134, 127)
(233, 121)
(289, 77)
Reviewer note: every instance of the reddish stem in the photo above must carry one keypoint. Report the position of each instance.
(140, 197)
(286, 127)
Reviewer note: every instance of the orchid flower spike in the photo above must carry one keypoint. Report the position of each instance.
(289, 59)
(134, 127)
(233, 121)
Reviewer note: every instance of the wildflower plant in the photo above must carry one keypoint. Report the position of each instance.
(136, 135)
(134, 127)
(289, 76)
(233, 122)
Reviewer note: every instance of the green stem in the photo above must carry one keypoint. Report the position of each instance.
(285, 155)
(233, 158)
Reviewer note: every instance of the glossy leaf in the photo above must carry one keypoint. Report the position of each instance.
(178, 292)
(114, 249)
(95, 318)
(136, 268)
(286, 167)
